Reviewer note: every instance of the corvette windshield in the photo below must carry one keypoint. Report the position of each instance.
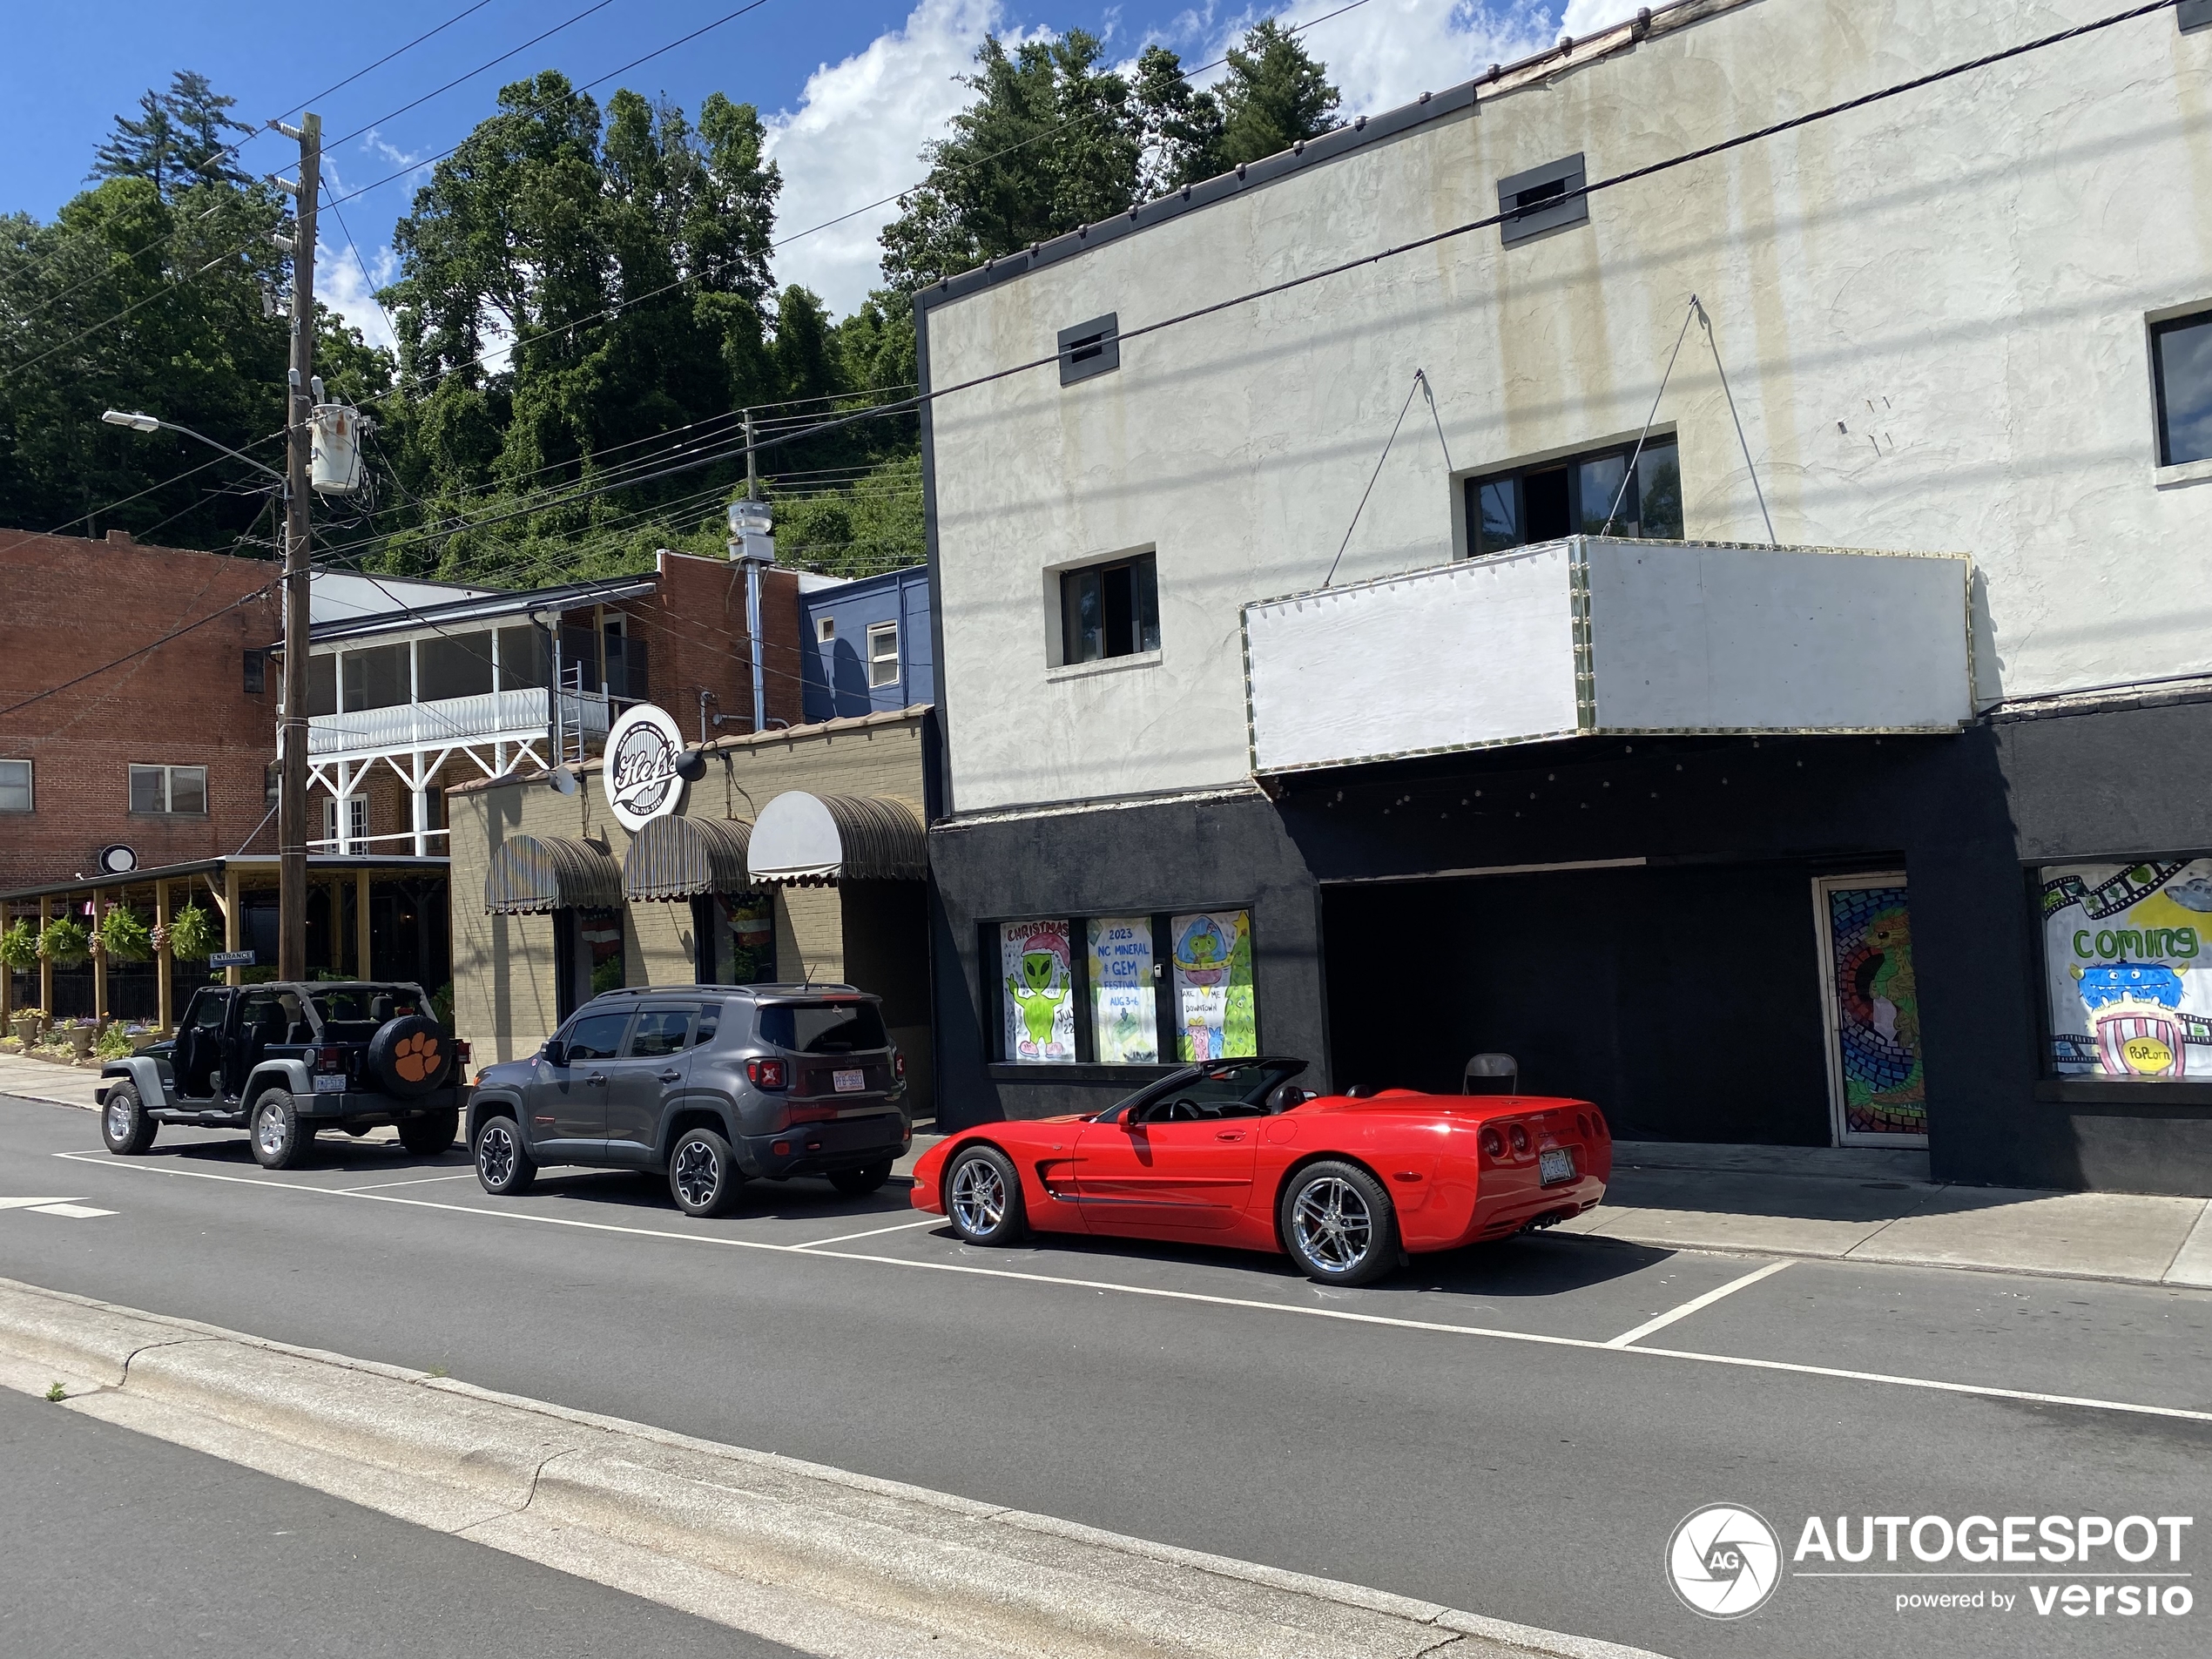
(1247, 1084)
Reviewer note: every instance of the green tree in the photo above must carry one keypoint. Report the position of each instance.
(1275, 94)
(178, 141)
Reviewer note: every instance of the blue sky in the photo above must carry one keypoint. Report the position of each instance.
(852, 88)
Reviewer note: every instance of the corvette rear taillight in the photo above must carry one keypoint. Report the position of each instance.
(1493, 1144)
(765, 1073)
(1519, 1133)
(1597, 1126)
(1582, 1124)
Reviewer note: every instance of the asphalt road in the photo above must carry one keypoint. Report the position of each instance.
(1460, 1434)
(118, 1546)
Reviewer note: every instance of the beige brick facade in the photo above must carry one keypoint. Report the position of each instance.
(504, 968)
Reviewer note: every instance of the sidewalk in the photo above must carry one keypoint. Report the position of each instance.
(1843, 1205)
(43, 1080)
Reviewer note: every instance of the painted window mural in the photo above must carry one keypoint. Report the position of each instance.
(1124, 1003)
(1213, 985)
(1035, 969)
(2124, 956)
(1879, 1091)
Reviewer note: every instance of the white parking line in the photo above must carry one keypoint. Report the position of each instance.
(74, 1211)
(1979, 1391)
(1626, 1337)
(379, 1186)
(873, 1232)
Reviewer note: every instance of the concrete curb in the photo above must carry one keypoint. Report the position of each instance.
(820, 1558)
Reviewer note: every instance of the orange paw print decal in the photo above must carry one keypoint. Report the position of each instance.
(416, 1057)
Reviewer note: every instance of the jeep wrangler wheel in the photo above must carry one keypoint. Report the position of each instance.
(124, 1123)
(703, 1174)
(505, 1167)
(276, 1132)
(431, 1133)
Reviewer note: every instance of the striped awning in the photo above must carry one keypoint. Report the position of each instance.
(817, 840)
(533, 873)
(679, 858)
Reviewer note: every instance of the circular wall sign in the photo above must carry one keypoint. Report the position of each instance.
(118, 860)
(640, 770)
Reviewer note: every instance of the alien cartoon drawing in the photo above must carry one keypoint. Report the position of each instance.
(1039, 987)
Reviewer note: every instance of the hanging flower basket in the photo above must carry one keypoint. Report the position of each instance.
(19, 947)
(124, 936)
(192, 934)
(65, 943)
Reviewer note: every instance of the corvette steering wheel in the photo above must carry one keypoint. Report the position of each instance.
(1184, 1111)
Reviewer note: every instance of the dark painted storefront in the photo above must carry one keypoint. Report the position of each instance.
(1676, 977)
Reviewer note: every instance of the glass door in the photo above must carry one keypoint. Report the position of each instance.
(1877, 1088)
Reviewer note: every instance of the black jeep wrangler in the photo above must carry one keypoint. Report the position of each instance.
(283, 1059)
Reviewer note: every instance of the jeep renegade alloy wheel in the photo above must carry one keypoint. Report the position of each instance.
(124, 1123)
(1338, 1226)
(983, 1197)
(505, 1167)
(279, 1138)
(702, 1174)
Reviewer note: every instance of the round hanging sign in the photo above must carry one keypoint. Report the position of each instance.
(642, 750)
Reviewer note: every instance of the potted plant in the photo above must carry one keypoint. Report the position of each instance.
(124, 936)
(191, 933)
(19, 947)
(82, 1034)
(65, 943)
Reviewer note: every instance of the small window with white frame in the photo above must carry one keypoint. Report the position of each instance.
(883, 654)
(176, 791)
(2181, 376)
(825, 630)
(15, 787)
(356, 822)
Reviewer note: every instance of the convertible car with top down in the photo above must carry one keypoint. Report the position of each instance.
(1234, 1152)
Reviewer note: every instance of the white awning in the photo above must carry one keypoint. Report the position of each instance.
(817, 840)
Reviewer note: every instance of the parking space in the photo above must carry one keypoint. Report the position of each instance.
(2004, 1335)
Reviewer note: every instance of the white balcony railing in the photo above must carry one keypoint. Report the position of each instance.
(490, 717)
(1593, 636)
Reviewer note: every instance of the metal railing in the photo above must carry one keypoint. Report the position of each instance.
(513, 716)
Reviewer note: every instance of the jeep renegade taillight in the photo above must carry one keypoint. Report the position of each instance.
(765, 1073)
(898, 1063)
(330, 1059)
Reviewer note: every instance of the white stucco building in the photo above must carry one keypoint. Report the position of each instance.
(1966, 326)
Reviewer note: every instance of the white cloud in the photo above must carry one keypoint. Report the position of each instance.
(342, 285)
(856, 135)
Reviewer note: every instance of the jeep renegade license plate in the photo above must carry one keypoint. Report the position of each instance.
(1553, 1165)
(849, 1083)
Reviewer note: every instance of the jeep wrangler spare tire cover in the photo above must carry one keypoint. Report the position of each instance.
(409, 1056)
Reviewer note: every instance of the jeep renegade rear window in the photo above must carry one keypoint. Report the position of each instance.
(822, 1028)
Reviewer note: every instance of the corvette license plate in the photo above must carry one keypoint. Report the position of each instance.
(329, 1084)
(1554, 1165)
(849, 1083)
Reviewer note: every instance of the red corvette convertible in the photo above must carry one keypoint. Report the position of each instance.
(1235, 1153)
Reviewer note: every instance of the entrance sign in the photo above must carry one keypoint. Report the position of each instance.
(231, 959)
(639, 772)
(1877, 1092)
(2128, 969)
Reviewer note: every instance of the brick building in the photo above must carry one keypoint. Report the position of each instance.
(165, 753)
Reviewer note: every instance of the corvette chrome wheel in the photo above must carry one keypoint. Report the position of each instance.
(698, 1172)
(1338, 1223)
(979, 1196)
(1334, 1225)
(983, 1197)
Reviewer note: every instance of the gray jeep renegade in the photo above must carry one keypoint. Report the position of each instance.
(716, 1084)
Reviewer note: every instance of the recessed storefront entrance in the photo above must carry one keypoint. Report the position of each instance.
(1689, 1000)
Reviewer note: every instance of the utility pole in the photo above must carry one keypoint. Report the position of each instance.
(751, 544)
(292, 734)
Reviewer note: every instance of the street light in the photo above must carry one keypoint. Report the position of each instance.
(149, 424)
(292, 731)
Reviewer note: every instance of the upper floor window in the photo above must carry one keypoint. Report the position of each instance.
(2181, 354)
(1576, 497)
(169, 789)
(15, 786)
(883, 654)
(257, 674)
(825, 630)
(1110, 609)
